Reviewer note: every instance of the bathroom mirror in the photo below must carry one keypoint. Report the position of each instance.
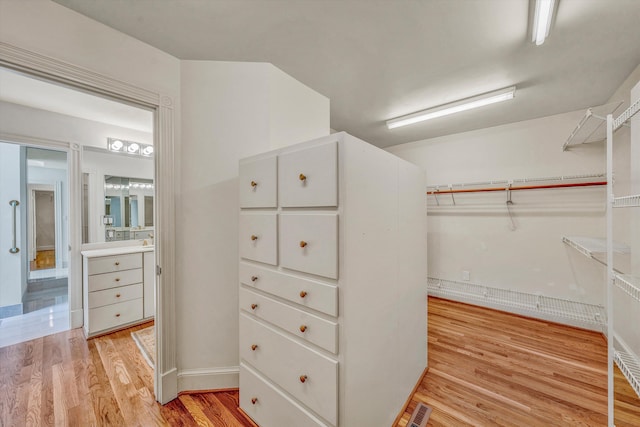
(128, 208)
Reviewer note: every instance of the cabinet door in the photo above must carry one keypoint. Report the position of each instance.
(309, 177)
(258, 183)
(259, 237)
(309, 243)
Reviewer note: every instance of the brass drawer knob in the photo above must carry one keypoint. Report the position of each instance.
(302, 177)
(303, 378)
(117, 262)
(254, 237)
(254, 306)
(254, 347)
(254, 184)
(303, 243)
(118, 315)
(117, 295)
(303, 328)
(254, 400)
(303, 294)
(254, 278)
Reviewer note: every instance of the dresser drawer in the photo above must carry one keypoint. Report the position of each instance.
(297, 322)
(258, 183)
(309, 243)
(114, 263)
(307, 375)
(258, 237)
(115, 295)
(309, 177)
(99, 282)
(268, 406)
(111, 316)
(308, 293)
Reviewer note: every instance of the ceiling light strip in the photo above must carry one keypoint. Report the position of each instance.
(542, 20)
(453, 107)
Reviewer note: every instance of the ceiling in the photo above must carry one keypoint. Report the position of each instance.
(379, 59)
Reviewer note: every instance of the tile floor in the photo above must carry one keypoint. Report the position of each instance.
(33, 325)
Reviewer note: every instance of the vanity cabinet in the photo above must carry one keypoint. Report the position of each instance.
(333, 292)
(118, 288)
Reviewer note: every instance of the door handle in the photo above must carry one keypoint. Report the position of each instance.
(15, 249)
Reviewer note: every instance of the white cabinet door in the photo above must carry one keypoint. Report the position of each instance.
(259, 237)
(258, 184)
(309, 177)
(309, 243)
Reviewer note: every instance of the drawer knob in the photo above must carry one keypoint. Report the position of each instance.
(254, 184)
(303, 294)
(254, 400)
(117, 279)
(254, 347)
(117, 262)
(254, 278)
(303, 243)
(254, 237)
(117, 295)
(303, 378)
(118, 315)
(254, 306)
(303, 328)
(302, 177)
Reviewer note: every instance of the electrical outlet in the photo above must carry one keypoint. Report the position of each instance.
(466, 275)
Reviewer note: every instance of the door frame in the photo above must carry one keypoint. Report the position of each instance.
(41, 66)
(56, 188)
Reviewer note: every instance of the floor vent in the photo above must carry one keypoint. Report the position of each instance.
(420, 416)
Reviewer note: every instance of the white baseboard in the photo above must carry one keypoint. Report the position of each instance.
(76, 318)
(572, 313)
(209, 379)
(169, 382)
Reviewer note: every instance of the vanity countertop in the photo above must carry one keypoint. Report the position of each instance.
(93, 253)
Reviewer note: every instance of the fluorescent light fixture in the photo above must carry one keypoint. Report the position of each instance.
(133, 148)
(115, 144)
(129, 147)
(147, 150)
(453, 107)
(542, 20)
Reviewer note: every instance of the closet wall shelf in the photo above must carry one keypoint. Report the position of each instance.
(627, 201)
(630, 284)
(592, 127)
(626, 115)
(594, 247)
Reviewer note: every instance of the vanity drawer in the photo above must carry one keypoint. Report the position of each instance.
(99, 282)
(268, 406)
(309, 243)
(114, 263)
(312, 328)
(309, 293)
(307, 375)
(115, 295)
(111, 316)
(258, 237)
(258, 183)
(309, 177)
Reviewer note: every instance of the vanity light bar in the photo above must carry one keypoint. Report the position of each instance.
(129, 147)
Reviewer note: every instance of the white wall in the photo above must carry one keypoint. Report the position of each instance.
(227, 113)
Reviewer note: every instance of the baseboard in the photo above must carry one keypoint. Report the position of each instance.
(628, 363)
(209, 379)
(572, 313)
(76, 319)
(45, 248)
(169, 382)
(11, 310)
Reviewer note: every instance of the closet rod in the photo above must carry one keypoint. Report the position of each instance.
(521, 187)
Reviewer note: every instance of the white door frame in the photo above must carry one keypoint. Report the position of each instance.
(17, 58)
(56, 188)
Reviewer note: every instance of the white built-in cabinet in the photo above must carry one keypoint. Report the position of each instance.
(333, 292)
(118, 288)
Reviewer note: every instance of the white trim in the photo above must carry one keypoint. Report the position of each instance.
(572, 313)
(209, 379)
(34, 63)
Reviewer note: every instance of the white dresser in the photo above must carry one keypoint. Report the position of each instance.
(118, 288)
(333, 292)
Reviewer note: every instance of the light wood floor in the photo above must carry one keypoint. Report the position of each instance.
(64, 380)
(44, 259)
(489, 368)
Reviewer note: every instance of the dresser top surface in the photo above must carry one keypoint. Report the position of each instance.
(94, 253)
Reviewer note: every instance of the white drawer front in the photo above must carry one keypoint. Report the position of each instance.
(309, 177)
(297, 322)
(258, 183)
(268, 406)
(111, 316)
(308, 293)
(115, 295)
(111, 280)
(309, 243)
(259, 237)
(114, 263)
(288, 363)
